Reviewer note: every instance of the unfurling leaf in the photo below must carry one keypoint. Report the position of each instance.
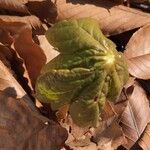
(86, 72)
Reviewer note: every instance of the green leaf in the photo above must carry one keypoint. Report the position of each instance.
(85, 113)
(76, 35)
(60, 86)
(87, 71)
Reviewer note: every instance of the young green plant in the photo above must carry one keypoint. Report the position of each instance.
(87, 71)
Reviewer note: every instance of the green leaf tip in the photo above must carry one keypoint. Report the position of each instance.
(87, 71)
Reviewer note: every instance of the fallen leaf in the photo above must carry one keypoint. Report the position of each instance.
(144, 140)
(135, 116)
(5, 37)
(138, 53)
(77, 137)
(11, 87)
(120, 106)
(21, 72)
(32, 21)
(146, 86)
(44, 9)
(14, 5)
(80, 138)
(5, 55)
(91, 146)
(113, 19)
(31, 53)
(21, 128)
(16, 66)
(12, 28)
(108, 115)
(111, 138)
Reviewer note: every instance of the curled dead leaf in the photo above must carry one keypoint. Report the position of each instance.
(43, 9)
(138, 53)
(18, 6)
(6, 55)
(144, 140)
(21, 128)
(113, 19)
(31, 53)
(135, 116)
(5, 37)
(11, 87)
(16, 66)
(146, 86)
(112, 137)
(31, 21)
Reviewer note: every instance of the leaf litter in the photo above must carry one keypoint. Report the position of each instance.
(128, 119)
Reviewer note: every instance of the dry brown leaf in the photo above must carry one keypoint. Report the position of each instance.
(111, 138)
(108, 111)
(5, 55)
(120, 106)
(43, 133)
(136, 115)
(146, 86)
(77, 137)
(113, 19)
(16, 66)
(20, 69)
(31, 53)
(14, 5)
(5, 37)
(80, 138)
(7, 21)
(43, 9)
(138, 53)
(21, 128)
(11, 87)
(145, 139)
(92, 146)
(109, 134)
(8, 81)
(12, 28)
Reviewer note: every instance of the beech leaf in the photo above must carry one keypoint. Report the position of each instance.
(32, 21)
(138, 53)
(21, 128)
(112, 137)
(11, 86)
(31, 53)
(144, 140)
(43, 9)
(135, 116)
(113, 19)
(18, 6)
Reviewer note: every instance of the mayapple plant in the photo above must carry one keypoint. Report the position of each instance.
(87, 71)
